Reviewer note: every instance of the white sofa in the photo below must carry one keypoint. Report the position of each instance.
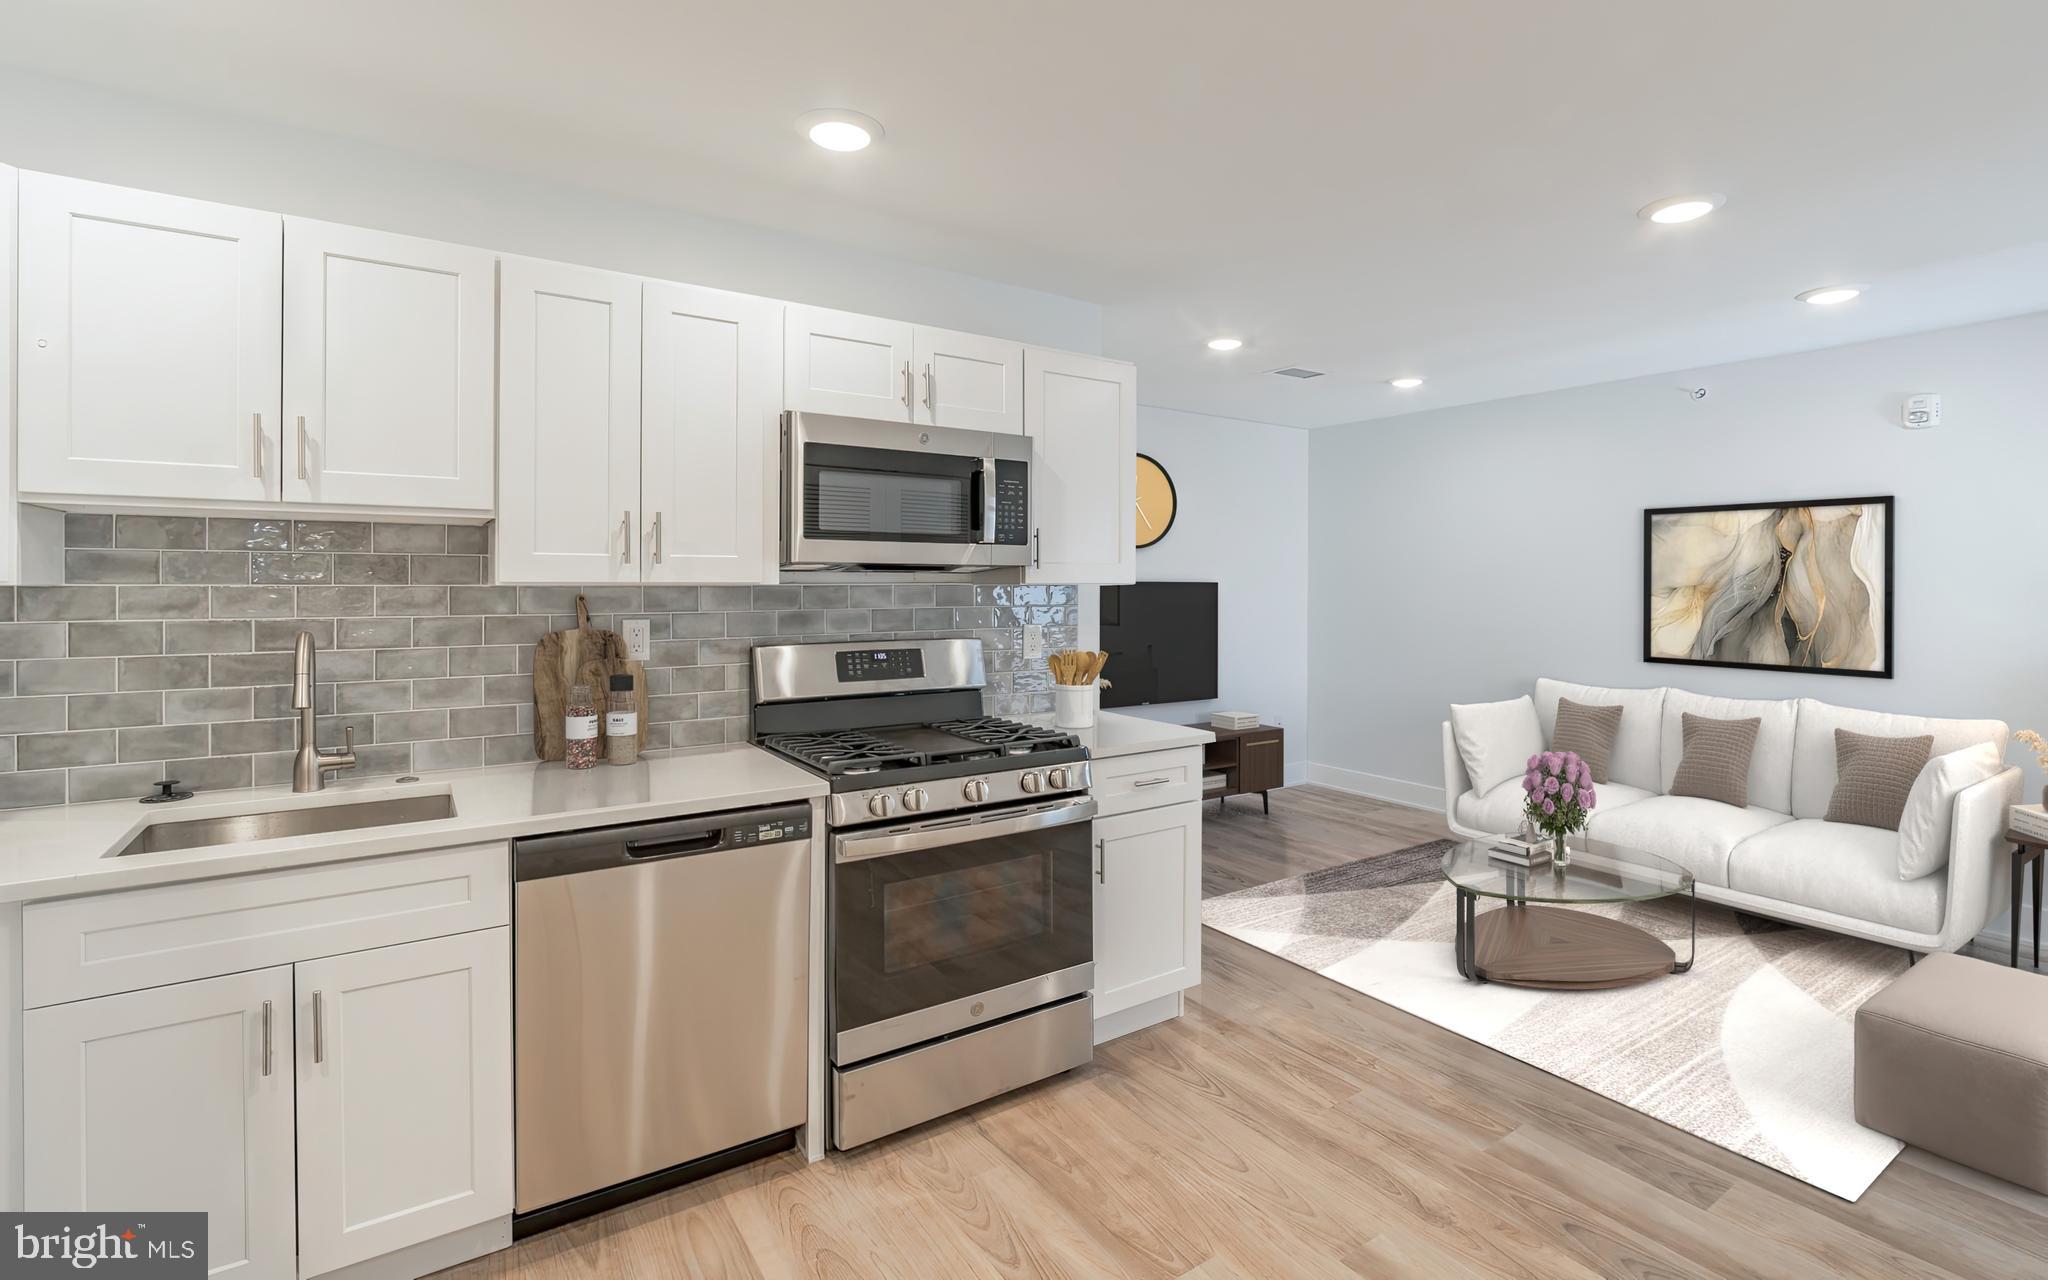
(1777, 857)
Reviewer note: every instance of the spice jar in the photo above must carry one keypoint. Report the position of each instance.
(579, 727)
(622, 722)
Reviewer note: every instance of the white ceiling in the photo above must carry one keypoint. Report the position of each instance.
(1444, 187)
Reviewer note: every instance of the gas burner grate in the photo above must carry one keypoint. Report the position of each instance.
(1014, 737)
(847, 751)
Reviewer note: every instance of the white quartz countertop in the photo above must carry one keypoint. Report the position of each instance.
(50, 853)
(1116, 734)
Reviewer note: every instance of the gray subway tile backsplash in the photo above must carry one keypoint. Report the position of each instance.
(167, 654)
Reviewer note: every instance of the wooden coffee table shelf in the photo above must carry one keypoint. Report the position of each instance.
(1536, 938)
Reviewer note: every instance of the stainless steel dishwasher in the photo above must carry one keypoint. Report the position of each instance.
(660, 979)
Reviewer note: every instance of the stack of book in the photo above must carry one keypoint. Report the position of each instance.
(1517, 852)
(2029, 821)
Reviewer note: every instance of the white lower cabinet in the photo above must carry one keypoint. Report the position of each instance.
(405, 1095)
(174, 1099)
(321, 1112)
(1148, 906)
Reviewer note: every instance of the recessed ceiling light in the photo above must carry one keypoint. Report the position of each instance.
(838, 129)
(1682, 208)
(1225, 344)
(1404, 384)
(1833, 295)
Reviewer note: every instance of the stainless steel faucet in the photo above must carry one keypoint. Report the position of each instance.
(312, 765)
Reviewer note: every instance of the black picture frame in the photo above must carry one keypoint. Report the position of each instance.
(1885, 501)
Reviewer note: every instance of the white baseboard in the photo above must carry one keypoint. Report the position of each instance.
(1415, 795)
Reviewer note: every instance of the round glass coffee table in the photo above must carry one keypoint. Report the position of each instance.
(1537, 940)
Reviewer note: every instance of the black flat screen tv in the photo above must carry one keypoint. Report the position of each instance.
(1161, 642)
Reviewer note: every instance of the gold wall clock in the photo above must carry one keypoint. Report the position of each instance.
(1157, 501)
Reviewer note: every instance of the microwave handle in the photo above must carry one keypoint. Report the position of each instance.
(982, 497)
(951, 831)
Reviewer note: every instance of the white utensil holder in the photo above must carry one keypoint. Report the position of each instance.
(1073, 705)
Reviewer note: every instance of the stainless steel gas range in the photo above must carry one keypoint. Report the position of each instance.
(960, 927)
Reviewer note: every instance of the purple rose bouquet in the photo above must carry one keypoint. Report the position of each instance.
(1560, 791)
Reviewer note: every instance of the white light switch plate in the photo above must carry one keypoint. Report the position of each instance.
(638, 645)
(1034, 642)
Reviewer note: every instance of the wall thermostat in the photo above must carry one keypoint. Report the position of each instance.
(1921, 412)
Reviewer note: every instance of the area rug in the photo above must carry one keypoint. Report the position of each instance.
(1751, 1050)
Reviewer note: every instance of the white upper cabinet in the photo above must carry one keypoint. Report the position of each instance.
(177, 1098)
(1081, 413)
(149, 342)
(839, 362)
(387, 369)
(10, 532)
(709, 438)
(968, 381)
(404, 1070)
(568, 424)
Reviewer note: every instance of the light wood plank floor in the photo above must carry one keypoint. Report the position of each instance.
(1290, 1127)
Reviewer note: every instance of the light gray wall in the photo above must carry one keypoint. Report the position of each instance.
(1459, 554)
(61, 126)
(1243, 525)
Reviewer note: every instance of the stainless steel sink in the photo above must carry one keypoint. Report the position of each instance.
(240, 828)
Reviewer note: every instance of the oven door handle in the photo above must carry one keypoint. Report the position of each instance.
(859, 848)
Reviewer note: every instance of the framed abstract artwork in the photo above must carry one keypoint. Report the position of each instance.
(1771, 586)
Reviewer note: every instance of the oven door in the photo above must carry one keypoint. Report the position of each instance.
(956, 923)
(864, 492)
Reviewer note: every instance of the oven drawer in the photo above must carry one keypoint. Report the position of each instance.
(891, 1095)
(1126, 784)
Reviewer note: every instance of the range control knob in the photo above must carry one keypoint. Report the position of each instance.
(976, 791)
(1058, 778)
(881, 806)
(1032, 783)
(914, 799)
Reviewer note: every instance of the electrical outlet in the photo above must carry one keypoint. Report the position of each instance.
(638, 644)
(1034, 642)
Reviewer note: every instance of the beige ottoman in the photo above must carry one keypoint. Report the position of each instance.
(1953, 1057)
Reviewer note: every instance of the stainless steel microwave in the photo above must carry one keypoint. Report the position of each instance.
(863, 493)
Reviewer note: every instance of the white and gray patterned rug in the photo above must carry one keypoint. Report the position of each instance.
(1751, 1050)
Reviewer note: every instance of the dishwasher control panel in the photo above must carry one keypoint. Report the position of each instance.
(788, 827)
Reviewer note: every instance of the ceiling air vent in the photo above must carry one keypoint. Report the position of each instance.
(1295, 371)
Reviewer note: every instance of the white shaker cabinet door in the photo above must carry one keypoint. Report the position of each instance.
(149, 344)
(1081, 413)
(176, 1098)
(388, 343)
(1148, 905)
(844, 363)
(709, 435)
(405, 1095)
(10, 528)
(968, 381)
(568, 425)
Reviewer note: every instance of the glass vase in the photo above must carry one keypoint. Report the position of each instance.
(1560, 852)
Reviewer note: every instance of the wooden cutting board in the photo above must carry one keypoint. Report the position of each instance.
(581, 654)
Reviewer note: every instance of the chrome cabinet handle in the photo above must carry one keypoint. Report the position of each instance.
(267, 1050)
(626, 537)
(256, 428)
(302, 446)
(319, 1031)
(930, 403)
(1101, 862)
(1152, 782)
(906, 384)
(657, 537)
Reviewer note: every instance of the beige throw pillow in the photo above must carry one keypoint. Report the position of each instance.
(1590, 730)
(1715, 760)
(1873, 777)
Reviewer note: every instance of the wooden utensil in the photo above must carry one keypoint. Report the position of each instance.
(582, 654)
